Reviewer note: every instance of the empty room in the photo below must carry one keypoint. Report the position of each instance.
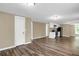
(39, 29)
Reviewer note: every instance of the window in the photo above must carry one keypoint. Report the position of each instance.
(76, 28)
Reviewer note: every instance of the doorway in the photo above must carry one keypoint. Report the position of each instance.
(19, 30)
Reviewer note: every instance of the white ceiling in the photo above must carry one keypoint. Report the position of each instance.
(42, 11)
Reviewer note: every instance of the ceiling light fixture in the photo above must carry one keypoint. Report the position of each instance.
(55, 17)
(28, 4)
(31, 4)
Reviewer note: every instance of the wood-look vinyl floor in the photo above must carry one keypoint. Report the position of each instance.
(65, 46)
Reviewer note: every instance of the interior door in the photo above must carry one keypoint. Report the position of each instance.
(19, 30)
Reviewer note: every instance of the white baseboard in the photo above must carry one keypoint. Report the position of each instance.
(27, 43)
(12, 46)
(7, 48)
(66, 36)
(39, 37)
